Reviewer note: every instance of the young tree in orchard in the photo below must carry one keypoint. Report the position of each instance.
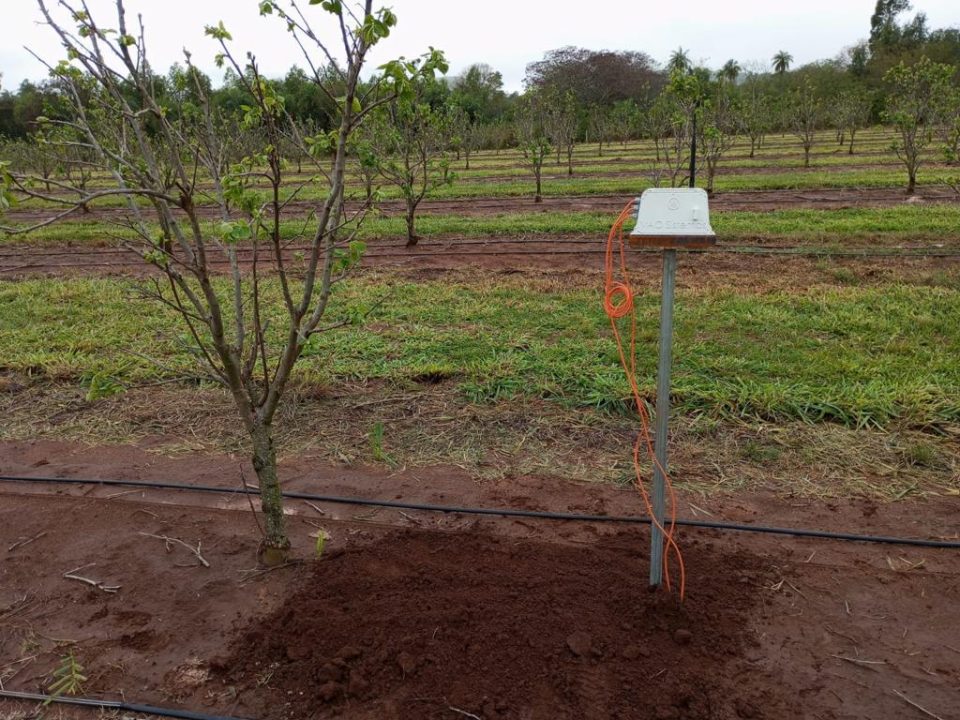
(916, 103)
(562, 122)
(32, 154)
(675, 107)
(464, 133)
(805, 116)
(474, 134)
(250, 326)
(657, 124)
(852, 108)
(719, 124)
(532, 136)
(457, 121)
(757, 116)
(598, 124)
(624, 119)
(410, 139)
(363, 149)
(950, 128)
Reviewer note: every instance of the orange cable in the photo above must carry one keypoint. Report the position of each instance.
(618, 303)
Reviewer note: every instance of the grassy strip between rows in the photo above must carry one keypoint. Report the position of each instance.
(900, 222)
(629, 185)
(857, 356)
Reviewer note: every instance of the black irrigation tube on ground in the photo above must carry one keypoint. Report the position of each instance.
(503, 512)
(441, 247)
(113, 705)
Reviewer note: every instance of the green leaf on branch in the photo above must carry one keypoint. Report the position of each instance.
(350, 257)
(234, 232)
(217, 33)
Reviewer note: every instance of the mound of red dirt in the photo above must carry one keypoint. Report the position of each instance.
(467, 625)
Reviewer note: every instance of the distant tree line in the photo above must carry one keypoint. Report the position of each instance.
(904, 75)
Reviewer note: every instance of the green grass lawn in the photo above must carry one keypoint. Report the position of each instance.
(857, 356)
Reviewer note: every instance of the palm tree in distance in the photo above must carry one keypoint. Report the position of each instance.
(781, 62)
(679, 61)
(730, 71)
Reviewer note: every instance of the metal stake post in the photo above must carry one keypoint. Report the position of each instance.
(663, 414)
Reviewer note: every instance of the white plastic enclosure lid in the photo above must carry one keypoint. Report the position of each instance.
(669, 215)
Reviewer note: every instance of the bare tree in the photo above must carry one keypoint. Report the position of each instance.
(531, 129)
(915, 105)
(162, 164)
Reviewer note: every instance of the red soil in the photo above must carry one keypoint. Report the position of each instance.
(411, 614)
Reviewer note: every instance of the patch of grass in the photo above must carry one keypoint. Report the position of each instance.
(859, 356)
(759, 452)
(922, 454)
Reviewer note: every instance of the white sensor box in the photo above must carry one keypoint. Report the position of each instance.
(673, 218)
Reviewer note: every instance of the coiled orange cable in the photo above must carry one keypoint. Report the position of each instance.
(618, 303)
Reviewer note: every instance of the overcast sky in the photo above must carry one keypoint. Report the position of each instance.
(506, 34)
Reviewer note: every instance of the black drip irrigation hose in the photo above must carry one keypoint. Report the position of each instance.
(113, 705)
(504, 512)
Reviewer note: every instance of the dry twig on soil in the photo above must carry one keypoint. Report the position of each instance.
(29, 540)
(169, 540)
(463, 712)
(71, 575)
(917, 706)
(858, 661)
(319, 510)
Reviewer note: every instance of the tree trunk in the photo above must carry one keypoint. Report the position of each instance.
(411, 223)
(368, 188)
(467, 156)
(753, 147)
(600, 149)
(853, 134)
(538, 198)
(806, 156)
(570, 160)
(912, 183)
(276, 544)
